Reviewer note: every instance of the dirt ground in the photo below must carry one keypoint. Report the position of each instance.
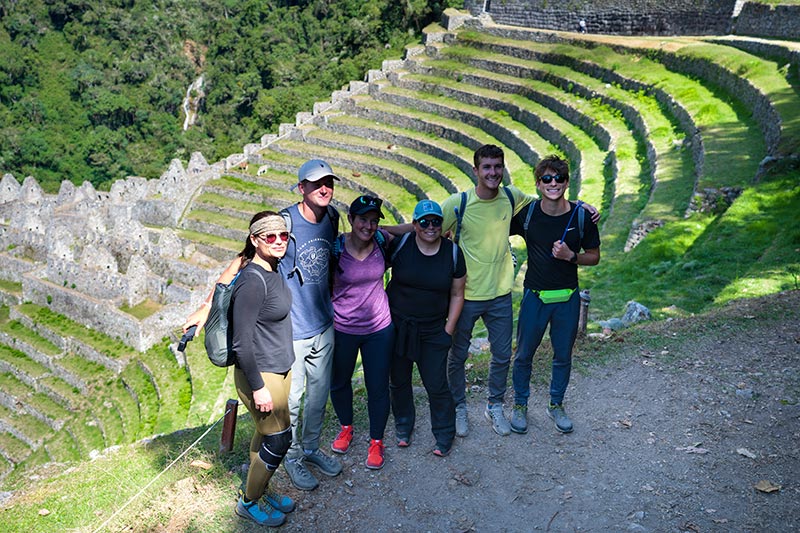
(675, 434)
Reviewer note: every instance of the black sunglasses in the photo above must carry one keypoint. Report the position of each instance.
(558, 177)
(436, 222)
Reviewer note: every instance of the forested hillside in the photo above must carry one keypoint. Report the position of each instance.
(93, 89)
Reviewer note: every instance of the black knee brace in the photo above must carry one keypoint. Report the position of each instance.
(274, 448)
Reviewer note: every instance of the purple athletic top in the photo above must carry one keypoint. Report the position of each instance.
(360, 304)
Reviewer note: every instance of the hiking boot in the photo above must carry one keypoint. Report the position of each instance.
(440, 450)
(462, 422)
(519, 419)
(342, 441)
(329, 466)
(280, 502)
(261, 513)
(283, 504)
(563, 423)
(301, 477)
(403, 441)
(494, 414)
(375, 458)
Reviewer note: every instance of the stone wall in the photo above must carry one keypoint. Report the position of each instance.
(780, 22)
(623, 17)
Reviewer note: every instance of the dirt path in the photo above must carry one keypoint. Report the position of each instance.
(655, 445)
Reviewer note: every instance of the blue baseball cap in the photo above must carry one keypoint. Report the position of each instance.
(427, 207)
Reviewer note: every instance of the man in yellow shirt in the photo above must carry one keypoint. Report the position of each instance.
(483, 237)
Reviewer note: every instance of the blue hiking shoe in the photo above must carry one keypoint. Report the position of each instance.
(261, 514)
(559, 416)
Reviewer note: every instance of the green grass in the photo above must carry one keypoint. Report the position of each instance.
(440, 126)
(66, 327)
(142, 310)
(22, 362)
(209, 390)
(16, 449)
(13, 287)
(211, 240)
(174, 388)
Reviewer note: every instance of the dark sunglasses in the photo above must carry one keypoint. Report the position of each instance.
(270, 238)
(436, 222)
(558, 177)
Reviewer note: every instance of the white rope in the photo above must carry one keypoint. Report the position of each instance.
(141, 491)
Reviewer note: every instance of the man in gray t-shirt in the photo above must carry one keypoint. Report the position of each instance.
(314, 226)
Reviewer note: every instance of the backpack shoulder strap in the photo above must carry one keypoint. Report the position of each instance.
(287, 219)
(581, 216)
(399, 245)
(333, 216)
(460, 216)
(380, 240)
(510, 196)
(455, 257)
(531, 207)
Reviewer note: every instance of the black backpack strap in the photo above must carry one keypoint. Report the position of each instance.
(531, 207)
(460, 216)
(295, 270)
(399, 245)
(511, 200)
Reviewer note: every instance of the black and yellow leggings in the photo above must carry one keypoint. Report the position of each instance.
(273, 434)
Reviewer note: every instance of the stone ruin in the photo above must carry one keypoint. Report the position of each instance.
(88, 254)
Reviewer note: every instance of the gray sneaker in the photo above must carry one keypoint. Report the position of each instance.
(299, 474)
(494, 414)
(462, 422)
(519, 419)
(563, 423)
(330, 466)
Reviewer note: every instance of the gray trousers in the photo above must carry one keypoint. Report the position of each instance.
(311, 374)
(497, 315)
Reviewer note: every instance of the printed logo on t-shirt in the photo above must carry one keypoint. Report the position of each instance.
(313, 259)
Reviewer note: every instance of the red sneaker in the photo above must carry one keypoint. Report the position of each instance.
(342, 441)
(375, 455)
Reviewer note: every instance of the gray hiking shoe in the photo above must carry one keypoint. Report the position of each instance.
(462, 422)
(330, 466)
(494, 414)
(519, 419)
(299, 474)
(563, 423)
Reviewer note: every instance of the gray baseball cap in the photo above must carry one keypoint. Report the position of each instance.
(315, 170)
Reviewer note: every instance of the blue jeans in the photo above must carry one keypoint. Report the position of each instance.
(376, 353)
(534, 316)
(498, 316)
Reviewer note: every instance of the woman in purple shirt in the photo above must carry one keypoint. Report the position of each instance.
(362, 322)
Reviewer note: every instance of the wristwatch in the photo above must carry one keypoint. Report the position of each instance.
(574, 258)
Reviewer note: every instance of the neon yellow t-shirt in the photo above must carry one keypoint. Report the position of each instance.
(484, 240)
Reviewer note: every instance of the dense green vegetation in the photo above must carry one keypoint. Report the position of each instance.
(92, 90)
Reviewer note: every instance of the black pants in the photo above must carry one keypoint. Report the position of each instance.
(431, 357)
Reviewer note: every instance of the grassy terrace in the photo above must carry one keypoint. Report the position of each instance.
(34, 429)
(392, 194)
(509, 132)
(208, 388)
(520, 105)
(13, 448)
(447, 128)
(68, 328)
(172, 382)
(462, 156)
(39, 402)
(733, 142)
(422, 168)
(22, 363)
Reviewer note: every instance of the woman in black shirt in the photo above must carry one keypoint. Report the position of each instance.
(426, 295)
(261, 341)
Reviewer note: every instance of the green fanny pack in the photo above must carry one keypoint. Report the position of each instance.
(556, 296)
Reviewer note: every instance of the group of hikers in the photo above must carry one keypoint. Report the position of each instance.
(308, 300)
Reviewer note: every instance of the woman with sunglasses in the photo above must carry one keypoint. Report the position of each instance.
(261, 342)
(426, 295)
(362, 323)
